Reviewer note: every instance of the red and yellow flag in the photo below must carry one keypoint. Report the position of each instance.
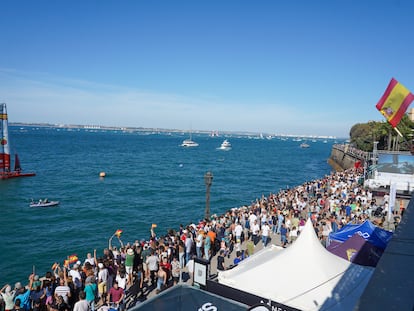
(73, 258)
(118, 233)
(395, 101)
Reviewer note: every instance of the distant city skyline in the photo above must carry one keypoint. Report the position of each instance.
(300, 68)
(262, 135)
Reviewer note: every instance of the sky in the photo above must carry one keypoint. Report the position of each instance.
(278, 67)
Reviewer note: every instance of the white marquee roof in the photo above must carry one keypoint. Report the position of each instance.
(305, 276)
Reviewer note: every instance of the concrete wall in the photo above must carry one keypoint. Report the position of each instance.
(344, 157)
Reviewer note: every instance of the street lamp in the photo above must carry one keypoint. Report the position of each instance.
(208, 180)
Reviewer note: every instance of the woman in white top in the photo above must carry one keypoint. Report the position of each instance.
(7, 295)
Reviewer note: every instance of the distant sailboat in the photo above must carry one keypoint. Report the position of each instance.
(5, 163)
(189, 142)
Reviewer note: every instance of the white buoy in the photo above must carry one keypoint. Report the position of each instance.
(102, 174)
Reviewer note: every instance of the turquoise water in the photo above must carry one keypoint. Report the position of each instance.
(149, 179)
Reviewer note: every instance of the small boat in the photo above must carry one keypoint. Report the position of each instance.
(225, 145)
(189, 142)
(5, 162)
(43, 203)
(304, 145)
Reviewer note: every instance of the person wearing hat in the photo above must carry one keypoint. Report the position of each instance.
(129, 264)
(23, 295)
(17, 287)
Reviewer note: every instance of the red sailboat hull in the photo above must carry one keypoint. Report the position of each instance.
(15, 174)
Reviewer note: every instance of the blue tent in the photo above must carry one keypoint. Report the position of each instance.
(373, 234)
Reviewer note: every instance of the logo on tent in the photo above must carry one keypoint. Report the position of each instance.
(365, 235)
(208, 306)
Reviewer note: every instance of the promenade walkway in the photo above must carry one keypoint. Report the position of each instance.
(228, 261)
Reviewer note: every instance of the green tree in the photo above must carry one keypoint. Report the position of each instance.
(363, 135)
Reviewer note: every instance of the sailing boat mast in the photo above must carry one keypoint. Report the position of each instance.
(4, 140)
(5, 171)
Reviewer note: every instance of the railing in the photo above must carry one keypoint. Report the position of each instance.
(354, 152)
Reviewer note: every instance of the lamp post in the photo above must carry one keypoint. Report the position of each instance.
(208, 180)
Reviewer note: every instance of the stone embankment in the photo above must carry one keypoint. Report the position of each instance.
(344, 157)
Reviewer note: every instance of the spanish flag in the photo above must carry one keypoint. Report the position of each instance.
(73, 258)
(118, 232)
(395, 102)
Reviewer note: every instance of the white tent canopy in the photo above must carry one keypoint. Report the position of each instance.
(305, 276)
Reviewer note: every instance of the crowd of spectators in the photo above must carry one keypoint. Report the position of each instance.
(160, 261)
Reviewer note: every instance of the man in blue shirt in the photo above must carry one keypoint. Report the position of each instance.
(238, 258)
(24, 295)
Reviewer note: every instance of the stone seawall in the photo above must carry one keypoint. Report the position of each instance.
(344, 157)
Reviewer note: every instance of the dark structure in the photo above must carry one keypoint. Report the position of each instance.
(392, 284)
(184, 297)
(208, 180)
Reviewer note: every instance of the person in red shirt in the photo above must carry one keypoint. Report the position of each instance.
(116, 295)
(166, 266)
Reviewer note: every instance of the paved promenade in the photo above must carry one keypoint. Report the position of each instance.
(275, 240)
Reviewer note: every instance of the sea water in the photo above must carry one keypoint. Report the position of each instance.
(149, 179)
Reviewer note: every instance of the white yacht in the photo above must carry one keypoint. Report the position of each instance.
(189, 143)
(225, 145)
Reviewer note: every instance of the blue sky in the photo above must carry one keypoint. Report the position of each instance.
(291, 67)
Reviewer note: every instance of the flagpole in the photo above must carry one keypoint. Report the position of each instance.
(399, 133)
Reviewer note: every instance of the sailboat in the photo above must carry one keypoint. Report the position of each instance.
(5, 163)
(189, 142)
